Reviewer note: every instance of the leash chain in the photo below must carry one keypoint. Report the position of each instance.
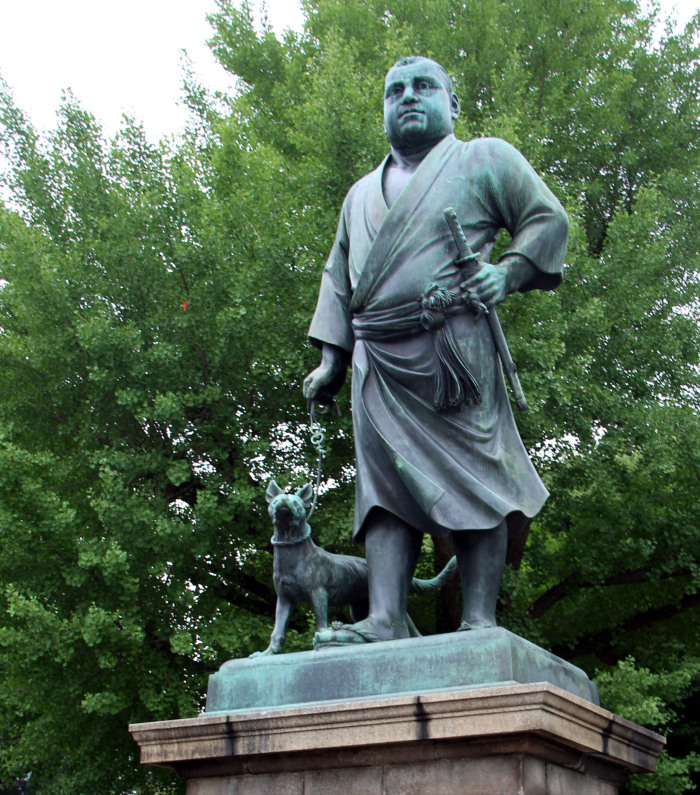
(318, 437)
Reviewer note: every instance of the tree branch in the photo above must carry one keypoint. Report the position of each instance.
(601, 643)
(557, 592)
(239, 590)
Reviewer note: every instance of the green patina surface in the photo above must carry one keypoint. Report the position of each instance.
(480, 658)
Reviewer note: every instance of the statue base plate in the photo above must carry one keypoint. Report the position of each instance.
(437, 663)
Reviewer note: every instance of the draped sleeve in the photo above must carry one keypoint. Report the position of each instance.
(332, 320)
(527, 208)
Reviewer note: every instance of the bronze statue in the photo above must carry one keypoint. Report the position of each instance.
(437, 448)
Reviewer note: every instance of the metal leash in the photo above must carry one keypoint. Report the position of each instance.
(318, 437)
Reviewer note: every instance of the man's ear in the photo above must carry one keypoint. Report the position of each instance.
(456, 107)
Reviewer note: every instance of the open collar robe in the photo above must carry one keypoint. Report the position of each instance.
(438, 471)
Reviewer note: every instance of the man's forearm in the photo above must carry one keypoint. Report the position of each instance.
(334, 357)
(521, 274)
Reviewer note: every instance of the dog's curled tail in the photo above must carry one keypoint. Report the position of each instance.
(428, 586)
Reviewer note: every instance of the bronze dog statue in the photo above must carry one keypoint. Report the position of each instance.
(304, 572)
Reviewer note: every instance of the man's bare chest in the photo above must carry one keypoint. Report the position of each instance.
(394, 180)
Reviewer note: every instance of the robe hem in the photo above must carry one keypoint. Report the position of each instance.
(522, 518)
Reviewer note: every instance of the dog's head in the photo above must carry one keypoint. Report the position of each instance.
(288, 511)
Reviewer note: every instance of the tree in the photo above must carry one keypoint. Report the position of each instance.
(153, 315)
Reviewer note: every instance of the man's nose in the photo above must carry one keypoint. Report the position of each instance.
(409, 94)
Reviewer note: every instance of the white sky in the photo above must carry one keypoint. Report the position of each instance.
(126, 56)
(116, 58)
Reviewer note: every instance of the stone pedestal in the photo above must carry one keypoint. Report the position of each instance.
(522, 739)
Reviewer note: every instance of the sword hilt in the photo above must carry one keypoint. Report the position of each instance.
(468, 261)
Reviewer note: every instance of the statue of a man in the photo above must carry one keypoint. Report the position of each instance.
(424, 466)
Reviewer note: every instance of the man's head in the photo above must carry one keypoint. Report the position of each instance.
(419, 104)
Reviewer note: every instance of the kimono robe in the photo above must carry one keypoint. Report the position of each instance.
(438, 471)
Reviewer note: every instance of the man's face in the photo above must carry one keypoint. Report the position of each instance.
(418, 109)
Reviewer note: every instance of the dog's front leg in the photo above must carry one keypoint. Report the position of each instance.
(319, 603)
(283, 612)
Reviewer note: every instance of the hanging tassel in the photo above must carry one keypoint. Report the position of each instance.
(454, 384)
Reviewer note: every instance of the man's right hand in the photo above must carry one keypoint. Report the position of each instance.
(321, 377)
(326, 380)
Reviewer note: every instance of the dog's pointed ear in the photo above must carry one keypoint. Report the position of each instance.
(306, 495)
(272, 491)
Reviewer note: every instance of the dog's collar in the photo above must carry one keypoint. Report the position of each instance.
(275, 542)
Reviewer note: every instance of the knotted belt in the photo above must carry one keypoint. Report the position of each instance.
(454, 384)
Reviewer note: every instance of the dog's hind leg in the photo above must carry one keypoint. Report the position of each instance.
(412, 628)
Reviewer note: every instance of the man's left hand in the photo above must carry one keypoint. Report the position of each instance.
(489, 284)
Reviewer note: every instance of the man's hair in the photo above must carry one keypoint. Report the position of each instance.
(409, 59)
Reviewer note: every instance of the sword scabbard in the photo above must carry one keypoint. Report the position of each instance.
(465, 255)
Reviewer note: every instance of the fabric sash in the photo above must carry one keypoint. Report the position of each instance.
(454, 384)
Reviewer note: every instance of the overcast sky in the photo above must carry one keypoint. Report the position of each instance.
(116, 57)
(126, 56)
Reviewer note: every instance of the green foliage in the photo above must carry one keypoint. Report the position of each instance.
(153, 309)
(653, 699)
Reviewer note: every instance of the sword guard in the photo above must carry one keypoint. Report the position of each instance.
(468, 262)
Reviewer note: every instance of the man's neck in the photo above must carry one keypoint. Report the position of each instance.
(411, 157)
(401, 166)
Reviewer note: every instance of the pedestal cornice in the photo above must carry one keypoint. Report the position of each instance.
(538, 719)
